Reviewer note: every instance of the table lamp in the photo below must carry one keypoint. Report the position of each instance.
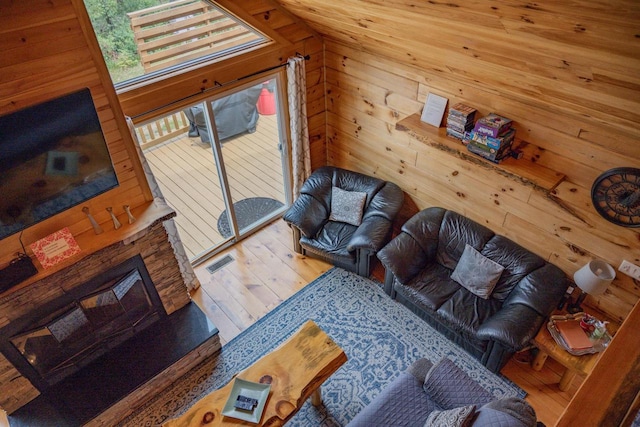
(593, 278)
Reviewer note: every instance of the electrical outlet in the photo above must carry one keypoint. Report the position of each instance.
(630, 269)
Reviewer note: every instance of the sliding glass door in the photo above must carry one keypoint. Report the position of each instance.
(251, 166)
(226, 173)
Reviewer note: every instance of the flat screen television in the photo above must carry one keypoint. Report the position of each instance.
(53, 156)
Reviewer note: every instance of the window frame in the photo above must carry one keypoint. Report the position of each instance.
(266, 38)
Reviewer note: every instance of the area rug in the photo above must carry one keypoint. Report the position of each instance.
(247, 211)
(380, 337)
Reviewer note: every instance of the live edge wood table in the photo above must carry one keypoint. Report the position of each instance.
(296, 369)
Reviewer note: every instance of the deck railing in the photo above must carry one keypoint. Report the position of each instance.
(179, 31)
(156, 132)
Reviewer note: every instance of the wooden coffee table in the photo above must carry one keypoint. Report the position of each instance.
(296, 370)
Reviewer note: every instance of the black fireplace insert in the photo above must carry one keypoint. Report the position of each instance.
(60, 338)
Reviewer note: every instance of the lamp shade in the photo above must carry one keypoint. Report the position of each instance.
(594, 277)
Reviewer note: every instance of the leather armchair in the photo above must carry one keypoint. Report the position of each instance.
(419, 263)
(342, 244)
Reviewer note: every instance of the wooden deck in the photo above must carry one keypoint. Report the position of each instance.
(186, 172)
(179, 31)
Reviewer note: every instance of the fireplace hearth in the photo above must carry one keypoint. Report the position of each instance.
(80, 397)
(91, 347)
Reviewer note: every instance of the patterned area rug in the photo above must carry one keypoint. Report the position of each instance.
(380, 337)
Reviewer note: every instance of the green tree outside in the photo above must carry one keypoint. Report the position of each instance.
(115, 36)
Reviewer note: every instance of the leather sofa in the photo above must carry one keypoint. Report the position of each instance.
(422, 259)
(343, 244)
(424, 393)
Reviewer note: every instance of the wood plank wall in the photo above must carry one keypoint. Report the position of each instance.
(568, 73)
(304, 40)
(45, 52)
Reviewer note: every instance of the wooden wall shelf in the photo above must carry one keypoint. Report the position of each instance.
(146, 215)
(523, 170)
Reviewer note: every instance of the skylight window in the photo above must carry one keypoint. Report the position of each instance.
(142, 38)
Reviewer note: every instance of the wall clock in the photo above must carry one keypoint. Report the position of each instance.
(616, 196)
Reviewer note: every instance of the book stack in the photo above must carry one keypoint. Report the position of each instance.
(491, 137)
(573, 335)
(460, 120)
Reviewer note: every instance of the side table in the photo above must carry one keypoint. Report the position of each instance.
(548, 347)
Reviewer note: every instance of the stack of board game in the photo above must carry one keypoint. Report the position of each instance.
(460, 120)
(491, 137)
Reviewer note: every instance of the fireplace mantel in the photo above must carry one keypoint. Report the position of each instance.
(146, 216)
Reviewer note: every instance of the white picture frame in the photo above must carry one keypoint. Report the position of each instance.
(433, 110)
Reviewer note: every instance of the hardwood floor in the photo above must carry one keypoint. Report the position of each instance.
(265, 271)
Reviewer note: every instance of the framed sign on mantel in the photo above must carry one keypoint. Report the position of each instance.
(55, 248)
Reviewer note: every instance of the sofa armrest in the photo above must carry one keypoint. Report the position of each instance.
(450, 387)
(506, 412)
(307, 214)
(424, 227)
(402, 399)
(404, 257)
(371, 234)
(514, 326)
(420, 368)
(415, 247)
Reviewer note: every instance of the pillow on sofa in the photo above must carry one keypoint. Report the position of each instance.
(477, 273)
(347, 206)
(456, 417)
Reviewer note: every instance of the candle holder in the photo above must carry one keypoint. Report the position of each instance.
(132, 218)
(116, 223)
(96, 227)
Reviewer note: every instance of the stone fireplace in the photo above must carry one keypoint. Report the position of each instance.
(91, 341)
(60, 338)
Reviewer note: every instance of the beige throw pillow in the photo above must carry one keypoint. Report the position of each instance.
(456, 417)
(347, 206)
